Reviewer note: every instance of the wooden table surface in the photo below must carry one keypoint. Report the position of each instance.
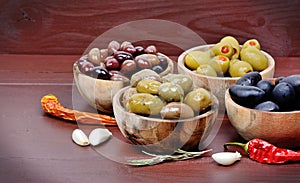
(38, 148)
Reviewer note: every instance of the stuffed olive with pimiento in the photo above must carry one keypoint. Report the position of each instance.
(170, 97)
(223, 57)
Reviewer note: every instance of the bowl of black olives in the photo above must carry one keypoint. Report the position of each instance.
(266, 108)
(162, 114)
(100, 73)
(220, 65)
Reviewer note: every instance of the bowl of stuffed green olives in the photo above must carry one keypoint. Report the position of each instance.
(100, 73)
(161, 115)
(266, 108)
(218, 66)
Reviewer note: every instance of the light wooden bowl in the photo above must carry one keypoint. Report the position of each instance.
(279, 128)
(164, 136)
(99, 93)
(218, 85)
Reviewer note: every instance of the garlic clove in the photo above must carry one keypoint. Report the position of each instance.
(99, 135)
(226, 158)
(79, 137)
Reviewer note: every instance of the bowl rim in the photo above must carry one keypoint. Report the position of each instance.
(119, 94)
(228, 99)
(180, 61)
(77, 70)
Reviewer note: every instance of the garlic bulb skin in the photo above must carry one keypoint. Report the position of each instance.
(79, 137)
(99, 135)
(226, 158)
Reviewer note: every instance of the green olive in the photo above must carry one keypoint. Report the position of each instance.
(171, 92)
(195, 58)
(223, 48)
(144, 104)
(182, 80)
(199, 99)
(250, 43)
(148, 86)
(176, 110)
(234, 43)
(254, 57)
(239, 68)
(206, 70)
(220, 64)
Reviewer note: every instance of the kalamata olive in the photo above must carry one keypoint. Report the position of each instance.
(158, 69)
(128, 67)
(163, 61)
(145, 104)
(199, 99)
(130, 49)
(103, 55)
(124, 44)
(148, 86)
(86, 67)
(100, 72)
(143, 63)
(139, 50)
(284, 95)
(94, 56)
(171, 92)
(249, 79)
(176, 110)
(153, 59)
(269, 106)
(118, 76)
(121, 56)
(112, 64)
(151, 49)
(182, 80)
(112, 47)
(248, 96)
(267, 86)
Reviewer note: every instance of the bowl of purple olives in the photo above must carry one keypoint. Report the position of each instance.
(266, 108)
(220, 65)
(101, 73)
(162, 114)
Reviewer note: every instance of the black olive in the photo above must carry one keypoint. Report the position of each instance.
(249, 79)
(100, 72)
(248, 96)
(267, 86)
(293, 80)
(267, 106)
(284, 95)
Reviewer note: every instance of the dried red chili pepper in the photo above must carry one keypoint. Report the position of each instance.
(51, 105)
(264, 152)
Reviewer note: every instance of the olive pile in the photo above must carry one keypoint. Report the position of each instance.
(227, 59)
(169, 97)
(120, 61)
(254, 92)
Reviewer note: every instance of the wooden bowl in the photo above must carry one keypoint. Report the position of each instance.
(165, 136)
(279, 128)
(218, 85)
(99, 93)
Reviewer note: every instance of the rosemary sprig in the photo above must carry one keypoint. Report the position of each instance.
(178, 155)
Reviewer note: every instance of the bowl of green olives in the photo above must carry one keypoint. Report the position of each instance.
(266, 108)
(164, 114)
(100, 73)
(218, 66)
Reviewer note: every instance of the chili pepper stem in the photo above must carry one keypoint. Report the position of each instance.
(244, 146)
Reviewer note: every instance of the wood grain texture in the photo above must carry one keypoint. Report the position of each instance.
(38, 148)
(68, 27)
